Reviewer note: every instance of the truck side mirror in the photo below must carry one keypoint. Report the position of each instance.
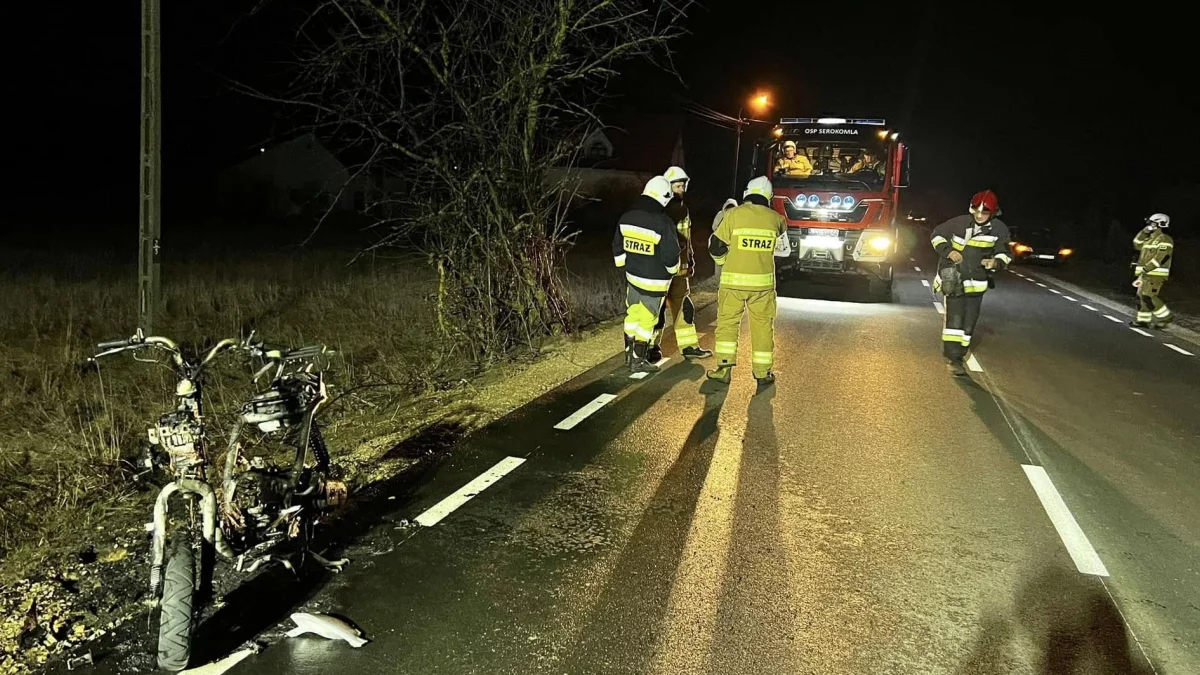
(903, 169)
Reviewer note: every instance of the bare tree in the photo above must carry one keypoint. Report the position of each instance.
(474, 102)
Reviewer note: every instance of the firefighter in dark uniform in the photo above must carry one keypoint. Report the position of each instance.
(678, 309)
(1155, 250)
(970, 248)
(647, 248)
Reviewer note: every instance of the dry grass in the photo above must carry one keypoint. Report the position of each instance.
(67, 432)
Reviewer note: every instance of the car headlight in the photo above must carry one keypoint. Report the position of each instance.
(879, 244)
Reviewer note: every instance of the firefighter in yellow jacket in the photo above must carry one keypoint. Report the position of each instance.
(744, 246)
(678, 309)
(1155, 249)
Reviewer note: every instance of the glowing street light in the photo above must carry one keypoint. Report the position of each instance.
(758, 104)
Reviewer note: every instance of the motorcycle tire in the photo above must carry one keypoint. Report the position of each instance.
(176, 615)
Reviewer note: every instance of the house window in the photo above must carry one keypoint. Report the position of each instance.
(360, 201)
(597, 149)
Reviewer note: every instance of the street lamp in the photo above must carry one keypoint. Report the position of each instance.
(758, 103)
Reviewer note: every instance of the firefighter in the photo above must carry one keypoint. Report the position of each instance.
(971, 248)
(646, 246)
(744, 246)
(678, 307)
(868, 162)
(1152, 269)
(792, 164)
(729, 204)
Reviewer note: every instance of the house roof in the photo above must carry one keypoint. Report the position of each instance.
(642, 142)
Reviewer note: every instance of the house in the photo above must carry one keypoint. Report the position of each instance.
(299, 177)
(619, 157)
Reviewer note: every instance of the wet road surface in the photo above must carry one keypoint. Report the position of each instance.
(867, 514)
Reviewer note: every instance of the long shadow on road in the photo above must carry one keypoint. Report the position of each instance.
(623, 627)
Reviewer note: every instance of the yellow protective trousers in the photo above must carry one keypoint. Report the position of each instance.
(642, 311)
(731, 304)
(1150, 306)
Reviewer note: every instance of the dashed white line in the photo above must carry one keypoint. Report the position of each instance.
(925, 282)
(1054, 291)
(638, 376)
(1080, 549)
(1042, 285)
(1139, 331)
(1067, 297)
(917, 268)
(582, 414)
(1089, 308)
(973, 364)
(1112, 318)
(1181, 350)
(464, 494)
(939, 307)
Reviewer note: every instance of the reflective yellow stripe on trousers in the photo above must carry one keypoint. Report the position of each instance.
(750, 282)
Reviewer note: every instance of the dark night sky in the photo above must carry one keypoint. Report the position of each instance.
(1052, 109)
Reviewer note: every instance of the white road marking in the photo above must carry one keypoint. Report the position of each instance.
(1054, 291)
(464, 494)
(1067, 297)
(973, 364)
(1181, 350)
(1085, 557)
(1089, 308)
(938, 305)
(925, 282)
(638, 376)
(1112, 318)
(1139, 331)
(1042, 285)
(582, 414)
(222, 666)
(917, 268)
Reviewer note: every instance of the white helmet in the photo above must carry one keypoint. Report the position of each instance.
(676, 173)
(759, 186)
(789, 144)
(660, 189)
(729, 203)
(1159, 220)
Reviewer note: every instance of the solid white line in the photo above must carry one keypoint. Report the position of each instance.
(1139, 331)
(1178, 349)
(1112, 318)
(638, 376)
(1067, 297)
(464, 494)
(1042, 285)
(582, 414)
(1081, 551)
(1090, 308)
(925, 282)
(938, 305)
(917, 268)
(1055, 292)
(973, 364)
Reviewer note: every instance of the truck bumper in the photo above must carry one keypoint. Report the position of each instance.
(846, 256)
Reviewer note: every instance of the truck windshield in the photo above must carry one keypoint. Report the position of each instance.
(828, 165)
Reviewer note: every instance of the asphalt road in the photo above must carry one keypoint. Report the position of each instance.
(868, 514)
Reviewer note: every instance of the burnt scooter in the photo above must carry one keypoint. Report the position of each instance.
(260, 513)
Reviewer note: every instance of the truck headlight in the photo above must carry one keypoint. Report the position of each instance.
(880, 244)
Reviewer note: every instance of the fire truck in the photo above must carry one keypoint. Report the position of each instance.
(837, 181)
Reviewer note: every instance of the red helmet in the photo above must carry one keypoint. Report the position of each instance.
(986, 201)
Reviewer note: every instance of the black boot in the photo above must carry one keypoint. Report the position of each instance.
(957, 368)
(1163, 323)
(696, 352)
(640, 364)
(628, 351)
(767, 379)
(654, 353)
(1139, 324)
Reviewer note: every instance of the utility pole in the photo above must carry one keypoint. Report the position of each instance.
(150, 207)
(760, 101)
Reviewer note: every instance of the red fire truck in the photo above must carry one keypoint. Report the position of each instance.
(837, 181)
